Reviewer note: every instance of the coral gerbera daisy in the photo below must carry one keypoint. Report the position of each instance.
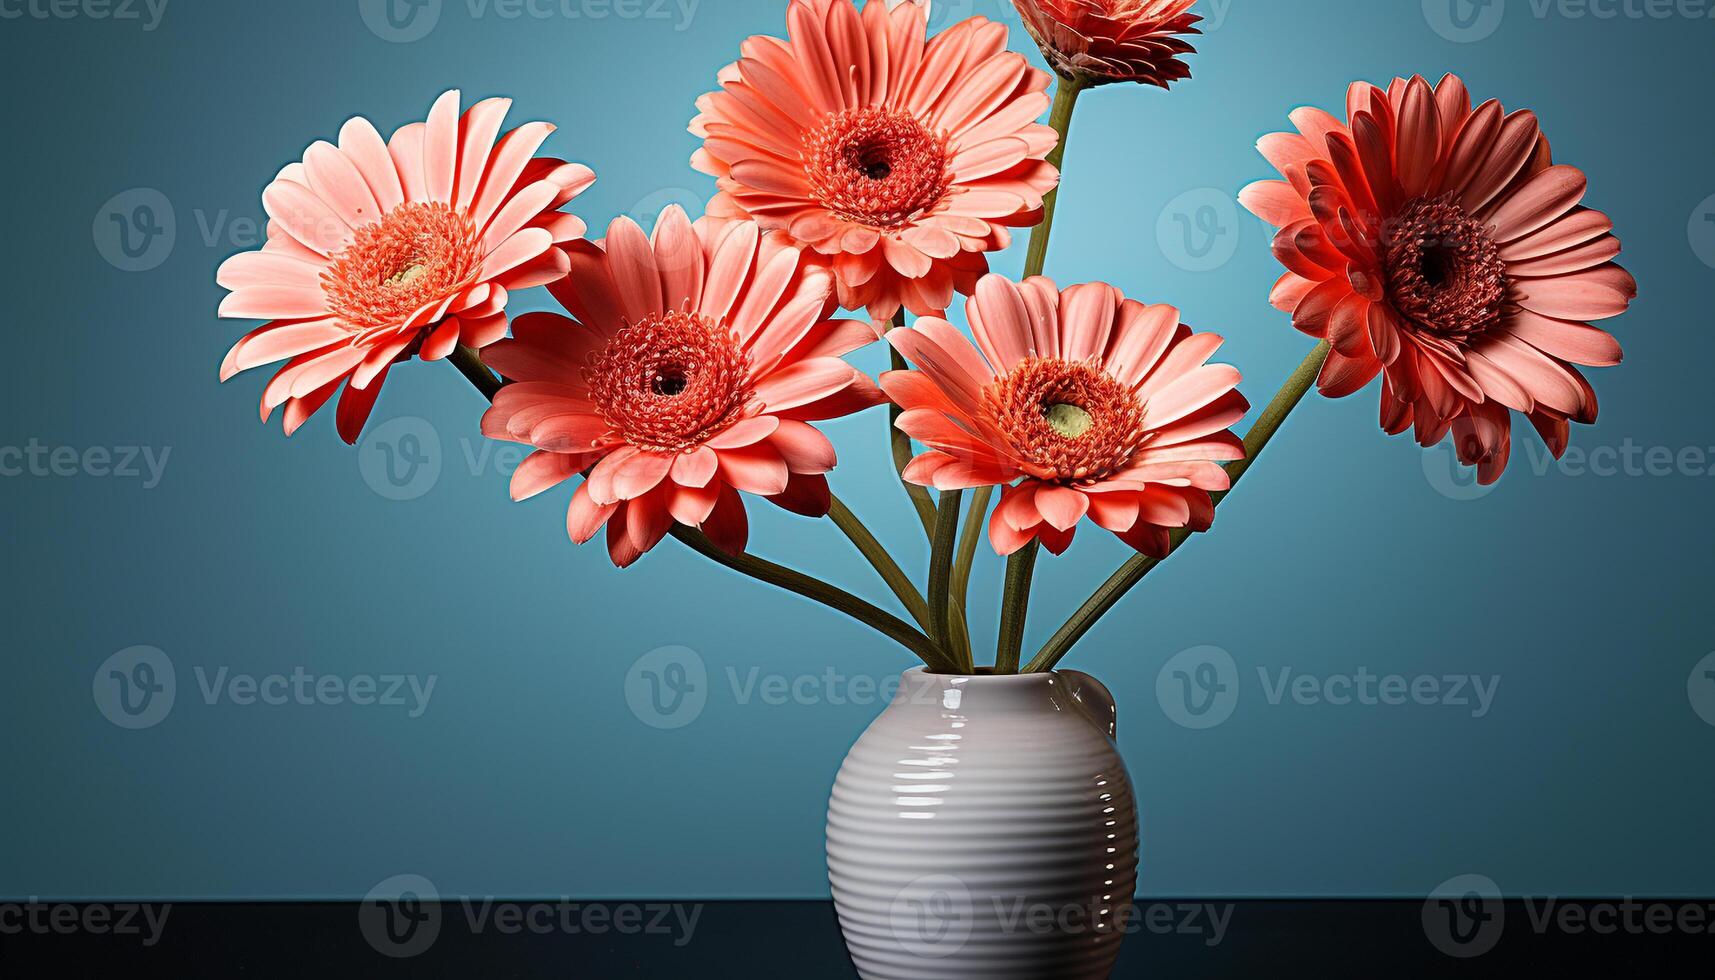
(378, 251)
(1099, 42)
(1097, 404)
(1440, 247)
(899, 159)
(692, 371)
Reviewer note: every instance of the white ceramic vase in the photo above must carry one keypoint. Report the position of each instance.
(984, 827)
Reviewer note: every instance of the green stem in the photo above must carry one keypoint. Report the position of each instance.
(469, 362)
(1014, 607)
(1015, 603)
(968, 540)
(834, 598)
(1134, 570)
(1060, 117)
(902, 445)
(883, 563)
(941, 567)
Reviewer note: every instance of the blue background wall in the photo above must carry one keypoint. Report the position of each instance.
(531, 771)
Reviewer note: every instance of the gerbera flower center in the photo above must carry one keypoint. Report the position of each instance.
(415, 256)
(670, 381)
(1444, 270)
(877, 167)
(1068, 421)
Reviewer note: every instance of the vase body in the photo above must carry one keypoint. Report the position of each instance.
(984, 827)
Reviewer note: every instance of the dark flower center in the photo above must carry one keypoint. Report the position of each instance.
(877, 167)
(669, 381)
(1444, 270)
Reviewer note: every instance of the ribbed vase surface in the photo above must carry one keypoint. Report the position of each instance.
(984, 828)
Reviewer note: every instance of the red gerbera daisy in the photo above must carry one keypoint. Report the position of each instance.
(1440, 246)
(1099, 42)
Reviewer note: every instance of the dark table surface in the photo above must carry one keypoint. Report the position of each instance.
(759, 940)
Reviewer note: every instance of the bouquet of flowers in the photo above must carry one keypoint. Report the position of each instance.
(865, 166)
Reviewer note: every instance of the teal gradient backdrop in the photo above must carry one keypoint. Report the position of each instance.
(540, 764)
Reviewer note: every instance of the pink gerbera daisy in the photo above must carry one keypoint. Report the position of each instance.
(378, 251)
(900, 160)
(1441, 247)
(691, 372)
(1097, 404)
(1099, 42)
